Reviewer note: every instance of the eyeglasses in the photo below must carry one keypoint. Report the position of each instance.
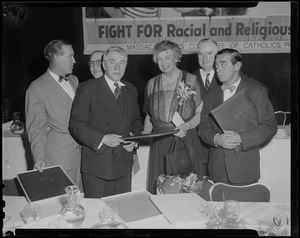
(92, 63)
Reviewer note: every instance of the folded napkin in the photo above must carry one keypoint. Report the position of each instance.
(6, 126)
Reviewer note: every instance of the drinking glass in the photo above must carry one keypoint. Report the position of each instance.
(232, 208)
(109, 212)
(73, 212)
(30, 212)
(17, 127)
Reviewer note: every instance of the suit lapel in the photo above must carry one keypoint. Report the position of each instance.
(56, 91)
(200, 79)
(217, 98)
(72, 83)
(108, 99)
(242, 85)
(127, 104)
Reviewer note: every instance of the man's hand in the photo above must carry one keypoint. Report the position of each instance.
(229, 140)
(112, 140)
(40, 165)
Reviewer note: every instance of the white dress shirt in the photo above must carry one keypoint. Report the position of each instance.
(203, 75)
(111, 84)
(64, 84)
(227, 94)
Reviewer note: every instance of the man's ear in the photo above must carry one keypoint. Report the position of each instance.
(238, 66)
(55, 59)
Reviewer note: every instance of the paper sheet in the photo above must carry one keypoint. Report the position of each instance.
(177, 120)
(186, 204)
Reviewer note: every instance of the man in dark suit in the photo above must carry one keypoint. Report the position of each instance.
(104, 110)
(47, 109)
(207, 49)
(234, 156)
(95, 63)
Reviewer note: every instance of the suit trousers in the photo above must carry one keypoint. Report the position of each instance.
(75, 175)
(95, 187)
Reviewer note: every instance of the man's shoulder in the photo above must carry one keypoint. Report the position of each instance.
(252, 82)
(131, 87)
(90, 83)
(196, 72)
(129, 84)
(41, 81)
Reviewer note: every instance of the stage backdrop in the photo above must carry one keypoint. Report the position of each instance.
(138, 34)
(28, 28)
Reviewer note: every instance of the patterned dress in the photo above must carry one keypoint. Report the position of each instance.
(161, 105)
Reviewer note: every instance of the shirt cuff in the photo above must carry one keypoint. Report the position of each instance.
(215, 139)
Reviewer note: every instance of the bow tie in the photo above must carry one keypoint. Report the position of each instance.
(231, 88)
(66, 77)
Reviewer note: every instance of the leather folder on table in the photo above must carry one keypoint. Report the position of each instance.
(238, 113)
(50, 183)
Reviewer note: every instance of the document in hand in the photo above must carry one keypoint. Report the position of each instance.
(50, 183)
(238, 113)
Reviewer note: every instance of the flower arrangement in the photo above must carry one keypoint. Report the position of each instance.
(221, 219)
(184, 92)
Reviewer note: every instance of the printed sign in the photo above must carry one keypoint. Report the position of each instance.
(247, 34)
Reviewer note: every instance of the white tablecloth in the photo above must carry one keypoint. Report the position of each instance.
(16, 153)
(275, 166)
(178, 211)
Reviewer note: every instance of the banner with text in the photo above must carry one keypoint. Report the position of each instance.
(270, 34)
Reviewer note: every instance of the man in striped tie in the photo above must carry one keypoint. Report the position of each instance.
(104, 110)
(207, 49)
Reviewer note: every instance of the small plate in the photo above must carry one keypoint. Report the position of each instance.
(109, 225)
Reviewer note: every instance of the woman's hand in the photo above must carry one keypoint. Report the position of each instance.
(183, 128)
(129, 145)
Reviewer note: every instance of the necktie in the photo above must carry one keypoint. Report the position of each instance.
(61, 78)
(225, 86)
(207, 83)
(117, 90)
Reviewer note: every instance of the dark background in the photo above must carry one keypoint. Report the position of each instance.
(27, 29)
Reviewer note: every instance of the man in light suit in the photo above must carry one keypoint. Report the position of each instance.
(47, 109)
(99, 119)
(207, 49)
(234, 156)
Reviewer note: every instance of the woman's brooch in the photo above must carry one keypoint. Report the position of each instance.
(184, 92)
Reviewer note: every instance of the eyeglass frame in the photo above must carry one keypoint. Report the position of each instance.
(92, 63)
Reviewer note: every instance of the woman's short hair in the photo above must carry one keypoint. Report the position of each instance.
(167, 45)
(118, 49)
(54, 48)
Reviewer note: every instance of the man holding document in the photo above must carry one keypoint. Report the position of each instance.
(104, 110)
(234, 139)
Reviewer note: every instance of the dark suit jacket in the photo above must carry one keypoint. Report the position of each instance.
(242, 167)
(95, 113)
(215, 83)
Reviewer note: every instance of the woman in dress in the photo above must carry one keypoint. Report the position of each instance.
(171, 91)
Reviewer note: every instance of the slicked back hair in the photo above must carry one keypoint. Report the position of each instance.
(53, 48)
